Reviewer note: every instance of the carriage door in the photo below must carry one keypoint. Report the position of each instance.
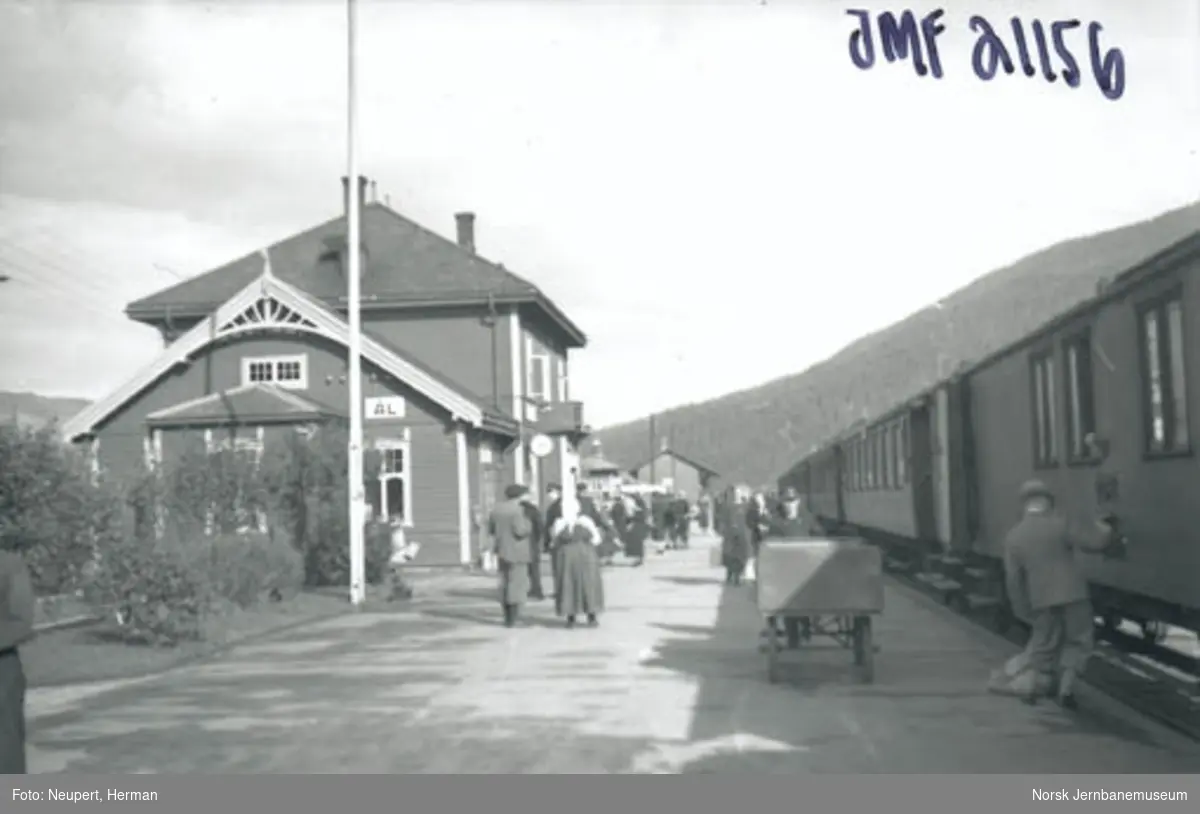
(921, 466)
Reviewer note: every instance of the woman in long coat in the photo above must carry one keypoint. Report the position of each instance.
(16, 627)
(638, 531)
(582, 588)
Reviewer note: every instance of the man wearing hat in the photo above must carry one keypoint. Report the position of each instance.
(511, 531)
(553, 514)
(1046, 586)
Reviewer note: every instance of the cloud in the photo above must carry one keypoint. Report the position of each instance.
(711, 190)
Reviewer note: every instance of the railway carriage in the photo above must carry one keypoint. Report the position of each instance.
(1099, 403)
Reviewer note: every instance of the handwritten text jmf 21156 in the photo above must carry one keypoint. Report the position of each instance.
(1030, 47)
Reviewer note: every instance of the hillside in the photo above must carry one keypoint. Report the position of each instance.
(32, 410)
(755, 435)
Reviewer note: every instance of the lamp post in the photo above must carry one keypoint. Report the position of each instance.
(354, 375)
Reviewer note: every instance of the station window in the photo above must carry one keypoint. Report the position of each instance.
(1081, 405)
(1045, 446)
(1164, 384)
(290, 372)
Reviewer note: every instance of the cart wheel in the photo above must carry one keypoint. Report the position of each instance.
(864, 648)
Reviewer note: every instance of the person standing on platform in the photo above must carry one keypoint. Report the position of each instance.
(683, 520)
(511, 530)
(582, 586)
(553, 513)
(735, 537)
(639, 530)
(1046, 585)
(535, 547)
(17, 604)
(793, 520)
(658, 521)
(621, 516)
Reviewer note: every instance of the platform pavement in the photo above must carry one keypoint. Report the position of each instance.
(670, 682)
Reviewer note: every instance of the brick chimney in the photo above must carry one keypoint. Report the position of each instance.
(466, 230)
(362, 193)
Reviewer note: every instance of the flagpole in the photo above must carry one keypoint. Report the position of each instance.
(354, 374)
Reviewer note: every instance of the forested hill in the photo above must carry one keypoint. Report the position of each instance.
(755, 435)
(32, 410)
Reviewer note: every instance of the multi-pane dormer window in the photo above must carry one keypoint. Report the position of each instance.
(290, 372)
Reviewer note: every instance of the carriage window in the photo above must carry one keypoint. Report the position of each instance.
(1165, 386)
(1081, 413)
(893, 438)
(1044, 441)
(902, 454)
(885, 442)
(872, 462)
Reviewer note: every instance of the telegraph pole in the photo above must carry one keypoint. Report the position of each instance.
(354, 252)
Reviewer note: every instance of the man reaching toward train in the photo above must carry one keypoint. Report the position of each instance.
(1046, 586)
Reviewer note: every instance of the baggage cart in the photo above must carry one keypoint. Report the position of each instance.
(820, 587)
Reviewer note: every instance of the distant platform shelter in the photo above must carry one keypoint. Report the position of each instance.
(677, 472)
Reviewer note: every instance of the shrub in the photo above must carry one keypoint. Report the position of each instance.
(158, 597)
(47, 506)
(246, 569)
(162, 547)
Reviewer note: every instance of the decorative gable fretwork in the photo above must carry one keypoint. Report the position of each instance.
(267, 313)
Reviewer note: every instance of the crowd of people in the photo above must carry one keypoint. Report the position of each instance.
(598, 529)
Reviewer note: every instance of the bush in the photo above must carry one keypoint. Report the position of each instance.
(157, 595)
(164, 547)
(47, 506)
(246, 569)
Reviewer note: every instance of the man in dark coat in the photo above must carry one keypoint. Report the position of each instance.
(535, 547)
(682, 511)
(793, 520)
(658, 518)
(511, 530)
(1046, 585)
(17, 605)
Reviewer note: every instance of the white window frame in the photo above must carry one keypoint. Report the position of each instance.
(275, 361)
(152, 450)
(94, 467)
(563, 391)
(403, 444)
(546, 395)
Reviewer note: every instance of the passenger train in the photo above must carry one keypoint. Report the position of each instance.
(1099, 404)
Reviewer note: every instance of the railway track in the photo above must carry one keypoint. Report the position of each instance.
(1155, 681)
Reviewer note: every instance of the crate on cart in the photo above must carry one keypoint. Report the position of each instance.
(821, 587)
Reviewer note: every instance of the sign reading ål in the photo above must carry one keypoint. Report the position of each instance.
(383, 407)
(541, 445)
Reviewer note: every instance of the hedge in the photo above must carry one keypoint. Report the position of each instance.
(165, 549)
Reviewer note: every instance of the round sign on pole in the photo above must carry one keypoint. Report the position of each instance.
(541, 445)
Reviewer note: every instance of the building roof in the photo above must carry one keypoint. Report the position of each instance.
(404, 265)
(594, 463)
(271, 303)
(672, 453)
(256, 403)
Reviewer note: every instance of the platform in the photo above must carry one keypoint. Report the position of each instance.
(671, 682)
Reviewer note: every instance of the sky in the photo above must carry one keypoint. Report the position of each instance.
(711, 190)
